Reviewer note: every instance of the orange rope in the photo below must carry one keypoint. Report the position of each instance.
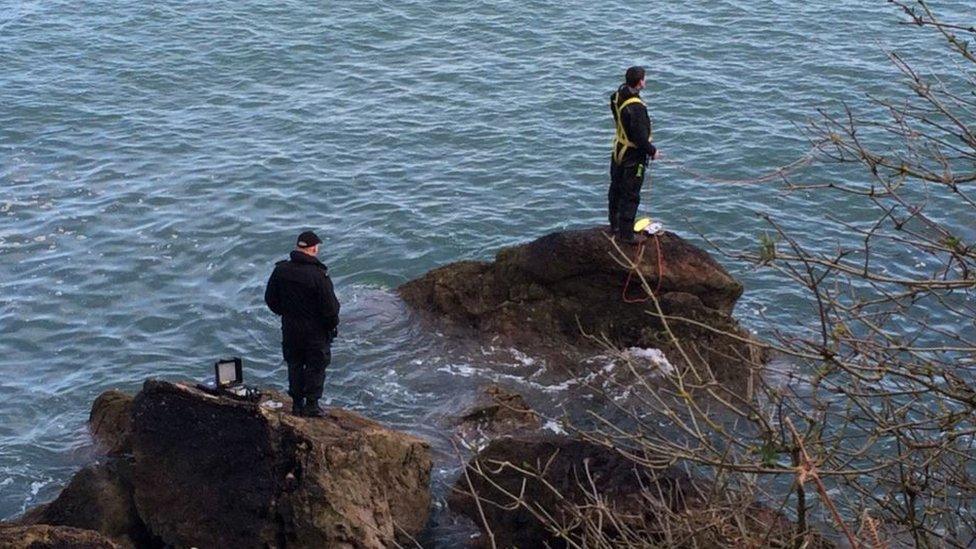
(633, 270)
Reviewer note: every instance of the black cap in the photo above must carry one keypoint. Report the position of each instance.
(308, 239)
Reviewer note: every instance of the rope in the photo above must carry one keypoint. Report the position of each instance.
(636, 264)
(778, 173)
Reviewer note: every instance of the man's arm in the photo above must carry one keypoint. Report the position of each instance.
(329, 305)
(271, 294)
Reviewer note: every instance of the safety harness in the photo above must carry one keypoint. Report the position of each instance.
(620, 140)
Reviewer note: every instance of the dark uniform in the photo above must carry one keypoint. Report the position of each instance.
(631, 148)
(300, 291)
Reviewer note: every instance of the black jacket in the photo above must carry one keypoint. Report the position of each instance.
(300, 291)
(636, 123)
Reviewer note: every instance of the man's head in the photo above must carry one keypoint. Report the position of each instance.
(635, 77)
(308, 243)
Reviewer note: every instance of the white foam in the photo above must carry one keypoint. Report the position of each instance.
(462, 370)
(36, 486)
(653, 356)
(554, 426)
(523, 358)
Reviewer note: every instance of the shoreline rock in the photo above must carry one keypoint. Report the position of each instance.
(40, 536)
(99, 497)
(273, 479)
(553, 291)
(213, 471)
(581, 487)
(562, 472)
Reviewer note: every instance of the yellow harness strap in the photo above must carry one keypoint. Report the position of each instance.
(620, 138)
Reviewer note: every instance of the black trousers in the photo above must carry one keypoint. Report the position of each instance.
(626, 180)
(306, 370)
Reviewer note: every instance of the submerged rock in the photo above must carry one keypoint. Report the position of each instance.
(41, 536)
(218, 472)
(497, 412)
(556, 289)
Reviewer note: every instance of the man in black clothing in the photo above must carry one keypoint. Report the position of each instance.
(300, 291)
(632, 147)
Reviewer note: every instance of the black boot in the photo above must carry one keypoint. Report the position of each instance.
(312, 409)
(627, 238)
(298, 406)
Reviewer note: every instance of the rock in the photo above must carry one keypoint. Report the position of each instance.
(217, 472)
(40, 536)
(110, 422)
(568, 477)
(566, 463)
(99, 498)
(565, 284)
(497, 412)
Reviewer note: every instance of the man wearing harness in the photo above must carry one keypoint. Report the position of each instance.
(300, 291)
(632, 147)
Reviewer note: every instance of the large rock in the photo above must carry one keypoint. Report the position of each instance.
(99, 498)
(110, 422)
(218, 472)
(41, 536)
(556, 288)
(590, 492)
(566, 470)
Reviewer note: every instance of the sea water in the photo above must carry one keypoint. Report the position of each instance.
(156, 159)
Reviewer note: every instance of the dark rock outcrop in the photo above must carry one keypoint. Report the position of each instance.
(497, 412)
(590, 491)
(41, 536)
(110, 422)
(560, 286)
(209, 471)
(217, 472)
(99, 498)
(567, 470)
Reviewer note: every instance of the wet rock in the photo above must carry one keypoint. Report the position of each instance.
(559, 287)
(497, 412)
(99, 498)
(110, 422)
(568, 469)
(216, 472)
(40, 536)
(580, 486)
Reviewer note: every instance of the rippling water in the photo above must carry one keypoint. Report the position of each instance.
(156, 159)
